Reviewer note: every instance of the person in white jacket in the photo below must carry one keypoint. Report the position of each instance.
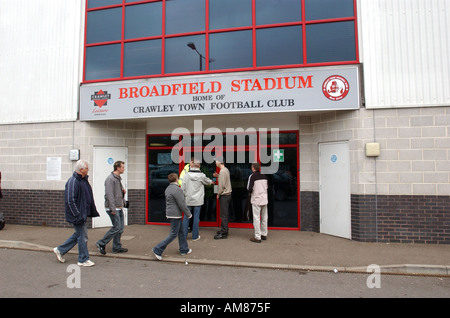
(194, 191)
(257, 187)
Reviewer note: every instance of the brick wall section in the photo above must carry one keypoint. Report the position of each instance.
(136, 212)
(34, 207)
(310, 211)
(46, 207)
(402, 218)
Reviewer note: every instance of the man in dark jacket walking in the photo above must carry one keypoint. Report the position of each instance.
(79, 205)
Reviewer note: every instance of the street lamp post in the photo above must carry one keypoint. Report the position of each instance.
(192, 46)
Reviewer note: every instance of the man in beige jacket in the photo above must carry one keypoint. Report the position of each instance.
(224, 196)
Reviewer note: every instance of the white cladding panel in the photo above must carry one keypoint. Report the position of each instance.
(404, 47)
(39, 60)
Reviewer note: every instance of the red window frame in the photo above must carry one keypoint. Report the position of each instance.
(206, 32)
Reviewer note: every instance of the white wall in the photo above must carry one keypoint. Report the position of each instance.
(40, 47)
(405, 50)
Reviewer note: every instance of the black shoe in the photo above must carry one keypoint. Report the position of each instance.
(121, 250)
(101, 248)
(220, 236)
(263, 237)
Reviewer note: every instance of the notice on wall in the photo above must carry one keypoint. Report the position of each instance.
(53, 168)
(288, 90)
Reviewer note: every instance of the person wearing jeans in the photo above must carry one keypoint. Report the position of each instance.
(193, 186)
(176, 230)
(79, 205)
(195, 211)
(80, 237)
(114, 233)
(114, 203)
(175, 207)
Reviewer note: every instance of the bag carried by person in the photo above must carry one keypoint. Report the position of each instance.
(2, 221)
(1, 195)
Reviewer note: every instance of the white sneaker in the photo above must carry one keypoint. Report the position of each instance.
(58, 255)
(188, 252)
(199, 237)
(159, 257)
(88, 263)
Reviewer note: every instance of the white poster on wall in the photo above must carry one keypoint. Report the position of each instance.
(53, 168)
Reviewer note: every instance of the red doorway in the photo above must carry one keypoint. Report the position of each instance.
(284, 205)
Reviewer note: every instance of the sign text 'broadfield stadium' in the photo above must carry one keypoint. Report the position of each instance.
(212, 87)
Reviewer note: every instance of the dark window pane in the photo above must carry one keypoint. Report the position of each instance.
(279, 46)
(102, 3)
(179, 57)
(283, 192)
(104, 25)
(160, 165)
(143, 20)
(102, 62)
(328, 9)
(185, 16)
(161, 141)
(142, 58)
(283, 139)
(225, 14)
(280, 11)
(330, 42)
(231, 50)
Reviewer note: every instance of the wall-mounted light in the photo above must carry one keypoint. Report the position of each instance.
(372, 149)
(74, 154)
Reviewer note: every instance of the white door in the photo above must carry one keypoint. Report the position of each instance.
(104, 158)
(334, 185)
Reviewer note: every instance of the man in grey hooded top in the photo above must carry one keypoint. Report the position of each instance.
(193, 186)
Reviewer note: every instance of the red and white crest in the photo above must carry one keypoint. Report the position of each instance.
(335, 87)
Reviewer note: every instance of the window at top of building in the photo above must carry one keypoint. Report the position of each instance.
(225, 14)
(150, 38)
(284, 11)
(143, 20)
(102, 3)
(185, 54)
(185, 16)
(104, 25)
(328, 9)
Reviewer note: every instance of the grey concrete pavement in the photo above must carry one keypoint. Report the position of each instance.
(291, 250)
